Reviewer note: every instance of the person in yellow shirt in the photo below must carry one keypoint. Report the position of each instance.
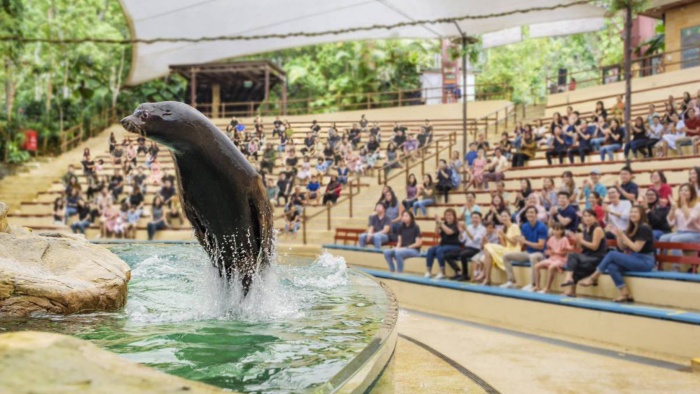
(509, 237)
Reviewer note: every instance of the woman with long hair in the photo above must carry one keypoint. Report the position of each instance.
(591, 242)
(657, 213)
(477, 171)
(332, 193)
(528, 150)
(498, 206)
(411, 192)
(569, 185)
(660, 185)
(614, 138)
(685, 217)
(548, 195)
(426, 193)
(446, 227)
(694, 178)
(509, 237)
(640, 139)
(408, 243)
(523, 194)
(639, 241)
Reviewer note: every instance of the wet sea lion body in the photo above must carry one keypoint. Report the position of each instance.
(222, 194)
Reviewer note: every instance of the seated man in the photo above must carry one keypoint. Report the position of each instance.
(496, 168)
(533, 237)
(378, 231)
(565, 213)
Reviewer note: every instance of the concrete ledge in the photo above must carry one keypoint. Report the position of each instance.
(670, 290)
(669, 338)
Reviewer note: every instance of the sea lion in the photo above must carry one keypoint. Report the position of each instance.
(222, 194)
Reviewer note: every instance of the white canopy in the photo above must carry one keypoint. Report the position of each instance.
(214, 18)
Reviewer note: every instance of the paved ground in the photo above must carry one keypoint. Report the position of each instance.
(512, 362)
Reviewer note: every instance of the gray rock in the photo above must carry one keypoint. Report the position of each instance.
(58, 273)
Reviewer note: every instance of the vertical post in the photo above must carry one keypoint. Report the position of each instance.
(215, 100)
(437, 153)
(400, 97)
(303, 230)
(284, 96)
(422, 163)
(350, 195)
(251, 109)
(369, 102)
(505, 112)
(328, 218)
(628, 76)
(193, 88)
(464, 93)
(267, 88)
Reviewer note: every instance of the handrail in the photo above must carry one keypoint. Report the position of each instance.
(646, 68)
(350, 101)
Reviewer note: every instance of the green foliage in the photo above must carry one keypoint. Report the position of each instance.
(329, 70)
(525, 66)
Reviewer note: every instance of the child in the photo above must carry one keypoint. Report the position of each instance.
(490, 238)
(132, 220)
(322, 166)
(558, 247)
(305, 172)
(312, 189)
(292, 222)
(271, 191)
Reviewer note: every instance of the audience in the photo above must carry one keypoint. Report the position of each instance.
(639, 239)
(408, 243)
(448, 230)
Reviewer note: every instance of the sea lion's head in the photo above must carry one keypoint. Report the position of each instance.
(173, 124)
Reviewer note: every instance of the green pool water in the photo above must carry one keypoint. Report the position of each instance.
(300, 325)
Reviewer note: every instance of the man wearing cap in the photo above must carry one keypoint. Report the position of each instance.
(591, 186)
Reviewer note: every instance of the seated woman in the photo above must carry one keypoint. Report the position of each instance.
(411, 192)
(639, 239)
(614, 137)
(640, 139)
(685, 216)
(528, 149)
(332, 191)
(426, 192)
(448, 230)
(559, 147)
(661, 186)
(593, 249)
(509, 236)
(498, 206)
(657, 213)
(158, 218)
(408, 243)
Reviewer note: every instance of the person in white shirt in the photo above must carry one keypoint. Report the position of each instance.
(496, 168)
(669, 137)
(617, 212)
(471, 236)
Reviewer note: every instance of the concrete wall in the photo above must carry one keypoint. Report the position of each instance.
(676, 20)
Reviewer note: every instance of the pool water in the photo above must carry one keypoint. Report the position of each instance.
(302, 322)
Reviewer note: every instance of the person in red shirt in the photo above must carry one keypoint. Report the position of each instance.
(660, 185)
(692, 131)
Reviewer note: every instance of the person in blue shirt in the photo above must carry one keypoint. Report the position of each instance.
(565, 213)
(591, 186)
(312, 190)
(533, 238)
(471, 155)
(584, 134)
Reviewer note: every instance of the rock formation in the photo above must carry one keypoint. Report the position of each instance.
(57, 273)
(37, 362)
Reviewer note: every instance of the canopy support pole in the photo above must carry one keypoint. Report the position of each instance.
(628, 74)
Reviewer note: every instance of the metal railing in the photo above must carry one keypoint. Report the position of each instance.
(347, 102)
(641, 67)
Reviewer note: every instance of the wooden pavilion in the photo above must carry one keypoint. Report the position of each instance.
(218, 89)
